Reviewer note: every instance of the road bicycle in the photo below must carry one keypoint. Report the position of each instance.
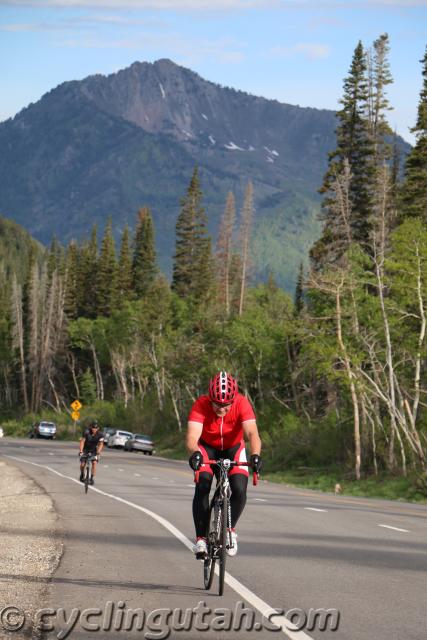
(218, 534)
(88, 459)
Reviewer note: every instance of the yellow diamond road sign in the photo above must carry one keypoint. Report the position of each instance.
(75, 415)
(76, 405)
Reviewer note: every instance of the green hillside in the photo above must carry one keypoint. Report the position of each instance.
(16, 246)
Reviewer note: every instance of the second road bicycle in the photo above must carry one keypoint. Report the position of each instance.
(88, 459)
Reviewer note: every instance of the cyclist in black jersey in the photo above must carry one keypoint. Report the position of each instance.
(92, 441)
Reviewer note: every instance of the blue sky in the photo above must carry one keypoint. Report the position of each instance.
(297, 51)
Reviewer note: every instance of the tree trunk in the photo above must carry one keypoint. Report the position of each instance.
(247, 215)
(18, 335)
(353, 392)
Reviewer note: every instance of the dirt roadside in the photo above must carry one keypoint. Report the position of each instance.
(30, 550)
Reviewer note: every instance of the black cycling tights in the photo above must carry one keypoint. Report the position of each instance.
(238, 485)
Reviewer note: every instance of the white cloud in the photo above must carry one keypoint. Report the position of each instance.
(325, 21)
(82, 22)
(399, 3)
(215, 5)
(210, 5)
(166, 44)
(310, 50)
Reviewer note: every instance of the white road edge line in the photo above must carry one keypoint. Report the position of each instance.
(289, 629)
(387, 526)
(138, 475)
(314, 509)
(260, 500)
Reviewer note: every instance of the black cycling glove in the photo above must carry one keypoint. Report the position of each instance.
(256, 463)
(195, 460)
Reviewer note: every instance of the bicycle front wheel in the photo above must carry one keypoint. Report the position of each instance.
(223, 538)
(210, 560)
(87, 476)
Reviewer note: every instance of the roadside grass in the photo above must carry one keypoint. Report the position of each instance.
(381, 486)
(171, 446)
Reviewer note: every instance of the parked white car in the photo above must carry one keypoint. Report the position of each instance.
(1, 432)
(118, 438)
(43, 429)
(109, 431)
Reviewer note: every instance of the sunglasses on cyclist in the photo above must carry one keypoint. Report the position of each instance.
(221, 406)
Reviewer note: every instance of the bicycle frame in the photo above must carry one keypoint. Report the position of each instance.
(88, 459)
(219, 527)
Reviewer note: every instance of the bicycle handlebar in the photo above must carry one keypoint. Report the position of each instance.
(91, 456)
(233, 463)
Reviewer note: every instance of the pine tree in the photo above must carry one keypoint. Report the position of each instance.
(87, 276)
(106, 291)
(54, 257)
(299, 291)
(124, 273)
(144, 256)
(353, 157)
(380, 77)
(224, 252)
(414, 189)
(192, 270)
(72, 292)
(26, 290)
(87, 387)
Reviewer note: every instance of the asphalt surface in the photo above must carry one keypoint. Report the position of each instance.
(299, 552)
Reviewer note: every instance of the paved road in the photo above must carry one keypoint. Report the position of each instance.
(126, 543)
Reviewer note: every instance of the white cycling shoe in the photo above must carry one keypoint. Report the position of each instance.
(200, 548)
(232, 550)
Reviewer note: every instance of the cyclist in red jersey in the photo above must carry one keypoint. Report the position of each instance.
(217, 425)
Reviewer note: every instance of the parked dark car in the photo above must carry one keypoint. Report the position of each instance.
(43, 429)
(139, 442)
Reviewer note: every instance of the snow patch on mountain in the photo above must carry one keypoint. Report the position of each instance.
(273, 152)
(162, 90)
(233, 147)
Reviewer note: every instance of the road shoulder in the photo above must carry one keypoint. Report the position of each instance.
(30, 550)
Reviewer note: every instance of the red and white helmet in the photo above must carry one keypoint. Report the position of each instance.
(222, 388)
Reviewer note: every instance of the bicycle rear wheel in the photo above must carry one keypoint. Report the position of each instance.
(212, 541)
(222, 543)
